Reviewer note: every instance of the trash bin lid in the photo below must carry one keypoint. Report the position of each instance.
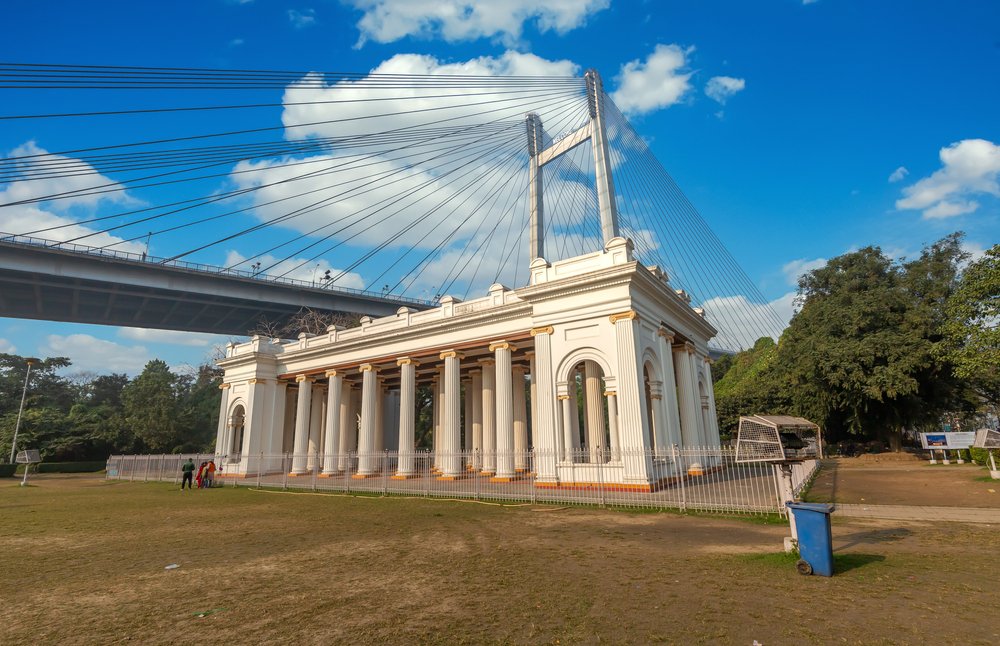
(819, 507)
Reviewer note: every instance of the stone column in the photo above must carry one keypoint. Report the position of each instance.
(407, 418)
(489, 417)
(505, 411)
(713, 415)
(695, 372)
(616, 454)
(567, 417)
(533, 409)
(452, 460)
(302, 415)
(348, 427)
(574, 418)
(476, 396)
(369, 406)
(222, 435)
(544, 434)
(686, 395)
(435, 422)
(467, 423)
(631, 398)
(315, 426)
(520, 421)
(334, 394)
(672, 417)
(380, 403)
(594, 403)
(656, 407)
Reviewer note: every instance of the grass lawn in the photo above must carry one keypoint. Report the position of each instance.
(83, 563)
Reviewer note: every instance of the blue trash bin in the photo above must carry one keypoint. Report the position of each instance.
(812, 522)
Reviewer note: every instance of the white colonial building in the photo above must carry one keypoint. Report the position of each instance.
(601, 326)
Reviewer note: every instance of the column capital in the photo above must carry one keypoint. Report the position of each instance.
(486, 362)
(300, 378)
(448, 354)
(333, 373)
(474, 372)
(529, 355)
(519, 368)
(502, 345)
(407, 361)
(683, 347)
(365, 367)
(708, 360)
(257, 381)
(547, 329)
(630, 315)
(562, 397)
(224, 386)
(610, 393)
(666, 333)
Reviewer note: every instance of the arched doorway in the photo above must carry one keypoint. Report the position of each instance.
(588, 424)
(236, 420)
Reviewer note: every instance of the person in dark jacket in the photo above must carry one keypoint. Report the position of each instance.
(188, 470)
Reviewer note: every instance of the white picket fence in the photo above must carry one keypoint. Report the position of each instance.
(721, 485)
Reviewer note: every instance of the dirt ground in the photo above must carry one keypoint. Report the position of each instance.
(911, 482)
(83, 563)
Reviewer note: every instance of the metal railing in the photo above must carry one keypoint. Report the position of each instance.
(704, 479)
(141, 258)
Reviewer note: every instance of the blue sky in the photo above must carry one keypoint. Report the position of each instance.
(800, 130)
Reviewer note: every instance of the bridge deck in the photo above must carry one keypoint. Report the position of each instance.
(79, 284)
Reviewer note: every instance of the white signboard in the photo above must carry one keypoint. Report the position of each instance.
(945, 441)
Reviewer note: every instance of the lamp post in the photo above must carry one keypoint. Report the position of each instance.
(17, 426)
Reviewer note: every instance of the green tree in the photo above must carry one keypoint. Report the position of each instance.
(972, 327)
(750, 386)
(150, 407)
(860, 356)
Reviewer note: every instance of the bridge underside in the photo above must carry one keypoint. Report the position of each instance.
(54, 285)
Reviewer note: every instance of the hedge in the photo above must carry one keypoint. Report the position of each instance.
(7, 470)
(66, 467)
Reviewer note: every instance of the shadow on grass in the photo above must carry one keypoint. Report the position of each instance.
(848, 562)
(873, 536)
(841, 562)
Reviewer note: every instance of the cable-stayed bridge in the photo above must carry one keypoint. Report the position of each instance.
(341, 192)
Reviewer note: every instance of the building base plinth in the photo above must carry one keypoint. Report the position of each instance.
(404, 476)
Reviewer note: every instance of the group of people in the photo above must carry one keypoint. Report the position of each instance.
(205, 476)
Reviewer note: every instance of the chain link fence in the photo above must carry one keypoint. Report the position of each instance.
(706, 479)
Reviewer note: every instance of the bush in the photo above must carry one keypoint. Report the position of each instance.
(982, 456)
(7, 470)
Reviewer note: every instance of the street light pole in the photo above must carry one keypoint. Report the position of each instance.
(20, 410)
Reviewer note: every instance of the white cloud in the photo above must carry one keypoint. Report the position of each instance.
(969, 167)
(385, 21)
(89, 353)
(171, 337)
(796, 268)
(721, 88)
(659, 82)
(353, 195)
(947, 209)
(303, 18)
(898, 174)
(410, 106)
(741, 322)
(7, 347)
(24, 218)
